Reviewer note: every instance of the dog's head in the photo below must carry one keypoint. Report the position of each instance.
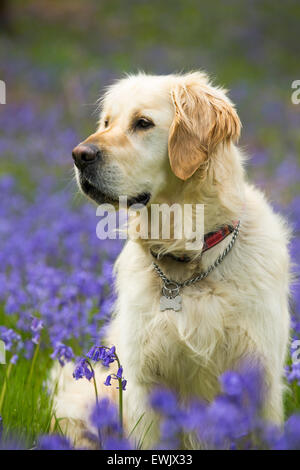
(155, 132)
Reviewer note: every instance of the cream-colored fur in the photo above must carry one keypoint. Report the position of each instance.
(241, 310)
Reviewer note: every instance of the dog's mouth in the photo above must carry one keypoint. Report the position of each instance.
(98, 196)
(142, 198)
(94, 193)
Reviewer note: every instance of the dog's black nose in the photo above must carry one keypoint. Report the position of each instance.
(85, 154)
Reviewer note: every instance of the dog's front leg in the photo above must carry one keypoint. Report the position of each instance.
(140, 421)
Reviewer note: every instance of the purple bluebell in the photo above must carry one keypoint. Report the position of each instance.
(63, 353)
(108, 381)
(105, 416)
(82, 369)
(54, 442)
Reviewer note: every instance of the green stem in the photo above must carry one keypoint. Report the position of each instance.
(121, 405)
(94, 380)
(120, 393)
(33, 361)
(3, 391)
(120, 397)
(96, 395)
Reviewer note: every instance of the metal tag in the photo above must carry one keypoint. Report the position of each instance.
(170, 303)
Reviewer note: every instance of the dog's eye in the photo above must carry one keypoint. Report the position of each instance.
(106, 123)
(143, 123)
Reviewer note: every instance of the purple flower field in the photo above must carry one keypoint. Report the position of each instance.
(56, 281)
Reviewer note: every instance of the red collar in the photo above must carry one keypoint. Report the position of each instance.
(211, 239)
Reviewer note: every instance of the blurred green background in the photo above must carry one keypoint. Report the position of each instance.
(65, 52)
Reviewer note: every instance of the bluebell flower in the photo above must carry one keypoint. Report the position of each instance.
(54, 442)
(98, 353)
(115, 443)
(124, 383)
(164, 401)
(105, 417)
(224, 423)
(290, 438)
(14, 359)
(63, 353)
(232, 384)
(36, 324)
(82, 369)
(108, 381)
(10, 338)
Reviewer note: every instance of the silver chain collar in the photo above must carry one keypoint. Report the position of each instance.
(171, 289)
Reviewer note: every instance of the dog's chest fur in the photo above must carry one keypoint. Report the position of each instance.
(174, 348)
(239, 311)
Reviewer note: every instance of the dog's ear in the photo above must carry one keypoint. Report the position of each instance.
(204, 118)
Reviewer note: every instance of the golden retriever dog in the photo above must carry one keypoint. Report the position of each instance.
(173, 139)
